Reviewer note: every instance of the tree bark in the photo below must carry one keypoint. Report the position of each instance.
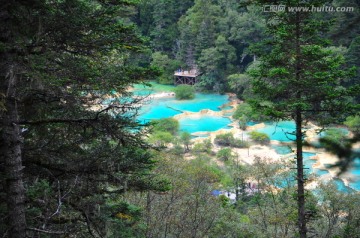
(299, 140)
(11, 148)
(300, 177)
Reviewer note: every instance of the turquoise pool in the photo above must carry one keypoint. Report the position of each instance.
(355, 170)
(204, 123)
(282, 149)
(168, 107)
(279, 131)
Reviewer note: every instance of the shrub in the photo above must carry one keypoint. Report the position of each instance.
(243, 120)
(170, 125)
(204, 147)
(177, 150)
(239, 143)
(161, 138)
(184, 92)
(244, 112)
(353, 122)
(335, 135)
(224, 139)
(228, 139)
(259, 137)
(224, 154)
(185, 138)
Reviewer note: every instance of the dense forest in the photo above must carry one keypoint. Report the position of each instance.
(73, 166)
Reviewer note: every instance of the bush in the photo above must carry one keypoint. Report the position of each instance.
(184, 92)
(228, 139)
(259, 137)
(239, 143)
(224, 154)
(161, 138)
(204, 147)
(353, 122)
(170, 125)
(244, 112)
(335, 135)
(185, 138)
(177, 150)
(224, 139)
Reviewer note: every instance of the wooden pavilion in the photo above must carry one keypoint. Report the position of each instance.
(186, 76)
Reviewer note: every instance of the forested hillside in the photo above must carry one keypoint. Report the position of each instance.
(219, 37)
(76, 160)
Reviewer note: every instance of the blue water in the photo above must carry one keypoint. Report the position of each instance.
(355, 185)
(227, 108)
(204, 123)
(355, 170)
(144, 92)
(339, 183)
(168, 107)
(279, 131)
(286, 181)
(308, 163)
(341, 186)
(282, 149)
(156, 110)
(117, 100)
(200, 102)
(251, 123)
(320, 172)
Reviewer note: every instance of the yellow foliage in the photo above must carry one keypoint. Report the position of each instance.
(123, 216)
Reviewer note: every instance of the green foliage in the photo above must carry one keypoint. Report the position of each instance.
(335, 135)
(259, 137)
(124, 220)
(183, 92)
(203, 147)
(243, 120)
(161, 138)
(158, 21)
(240, 84)
(215, 62)
(300, 78)
(224, 154)
(224, 139)
(39, 190)
(166, 65)
(63, 57)
(185, 138)
(228, 139)
(177, 149)
(245, 113)
(214, 36)
(169, 125)
(189, 204)
(353, 122)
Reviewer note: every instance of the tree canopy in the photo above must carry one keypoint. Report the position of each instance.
(67, 151)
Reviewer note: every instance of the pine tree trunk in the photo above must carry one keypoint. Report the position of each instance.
(11, 150)
(299, 141)
(300, 177)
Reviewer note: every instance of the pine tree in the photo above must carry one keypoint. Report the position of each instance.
(300, 79)
(68, 151)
